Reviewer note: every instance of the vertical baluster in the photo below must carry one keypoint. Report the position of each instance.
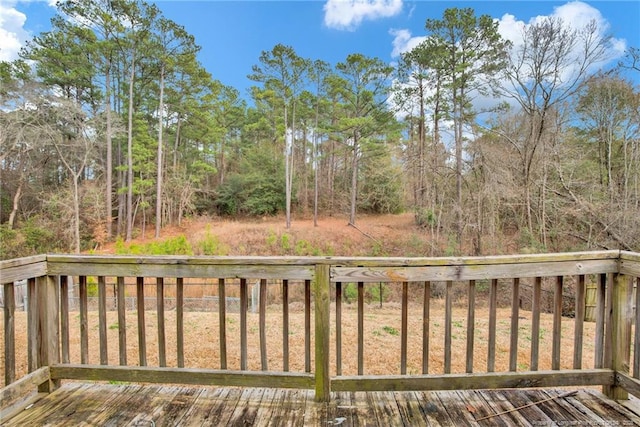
(600, 311)
(222, 321)
(338, 328)
(142, 336)
(263, 323)
(448, 312)
(515, 313)
(102, 319)
(64, 318)
(285, 325)
(426, 301)
(557, 324)
(404, 328)
(360, 328)
(84, 327)
(180, 321)
(48, 331)
(9, 334)
(307, 325)
(579, 323)
(636, 341)
(491, 344)
(322, 333)
(471, 321)
(122, 321)
(243, 324)
(162, 350)
(535, 324)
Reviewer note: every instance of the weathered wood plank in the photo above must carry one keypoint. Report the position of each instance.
(636, 340)
(180, 322)
(557, 323)
(102, 320)
(527, 414)
(608, 409)
(9, 334)
(448, 313)
(162, 346)
(338, 328)
(491, 344)
(243, 324)
(579, 323)
(183, 376)
(84, 325)
(514, 330)
(620, 337)
(322, 334)
(469, 272)
(170, 268)
(630, 264)
(285, 325)
(210, 406)
(32, 325)
(222, 321)
(48, 403)
(19, 388)
(360, 328)
(247, 408)
(307, 325)
(142, 335)
(122, 321)
(48, 330)
(535, 324)
(426, 301)
(598, 356)
(471, 324)
(563, 378)
(263, 325)
(111, 405)
(64, 318)
(404, 332)
(14, 270)
(479, 408)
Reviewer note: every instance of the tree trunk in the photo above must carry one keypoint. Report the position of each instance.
(129, 208)
(109, 164)
(354, 182)
(160, 155)
(16, 202)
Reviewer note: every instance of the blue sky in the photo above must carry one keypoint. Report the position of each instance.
(232, 34)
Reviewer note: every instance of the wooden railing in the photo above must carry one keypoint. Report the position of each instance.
(445, 328)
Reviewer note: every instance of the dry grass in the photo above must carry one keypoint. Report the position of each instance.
(381, 340)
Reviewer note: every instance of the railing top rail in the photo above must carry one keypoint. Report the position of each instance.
(336, 260)
(301, 267)
(22, 268)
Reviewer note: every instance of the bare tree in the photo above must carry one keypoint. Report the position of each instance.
(547, 68)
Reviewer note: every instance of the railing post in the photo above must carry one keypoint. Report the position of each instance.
(48, 333)
(322, 333)
(620, 334)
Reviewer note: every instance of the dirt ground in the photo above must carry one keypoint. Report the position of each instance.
(381, 340)
(373, 235)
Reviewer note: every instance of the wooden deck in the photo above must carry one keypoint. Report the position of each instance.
(78, 403)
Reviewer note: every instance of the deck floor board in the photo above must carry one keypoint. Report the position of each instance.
(156, 405)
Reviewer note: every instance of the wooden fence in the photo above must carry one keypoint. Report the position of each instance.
(320, 284)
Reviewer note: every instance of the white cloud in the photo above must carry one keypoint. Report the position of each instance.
(12, 32)
(349, 14)
(403, 41)
(576, 14)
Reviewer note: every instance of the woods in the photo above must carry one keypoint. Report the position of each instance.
(110, 126)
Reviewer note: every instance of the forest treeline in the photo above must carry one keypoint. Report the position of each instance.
(110, 126)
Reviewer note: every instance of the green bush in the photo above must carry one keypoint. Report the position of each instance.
(173, 246)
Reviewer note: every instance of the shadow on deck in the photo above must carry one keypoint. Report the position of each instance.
(77, 403)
